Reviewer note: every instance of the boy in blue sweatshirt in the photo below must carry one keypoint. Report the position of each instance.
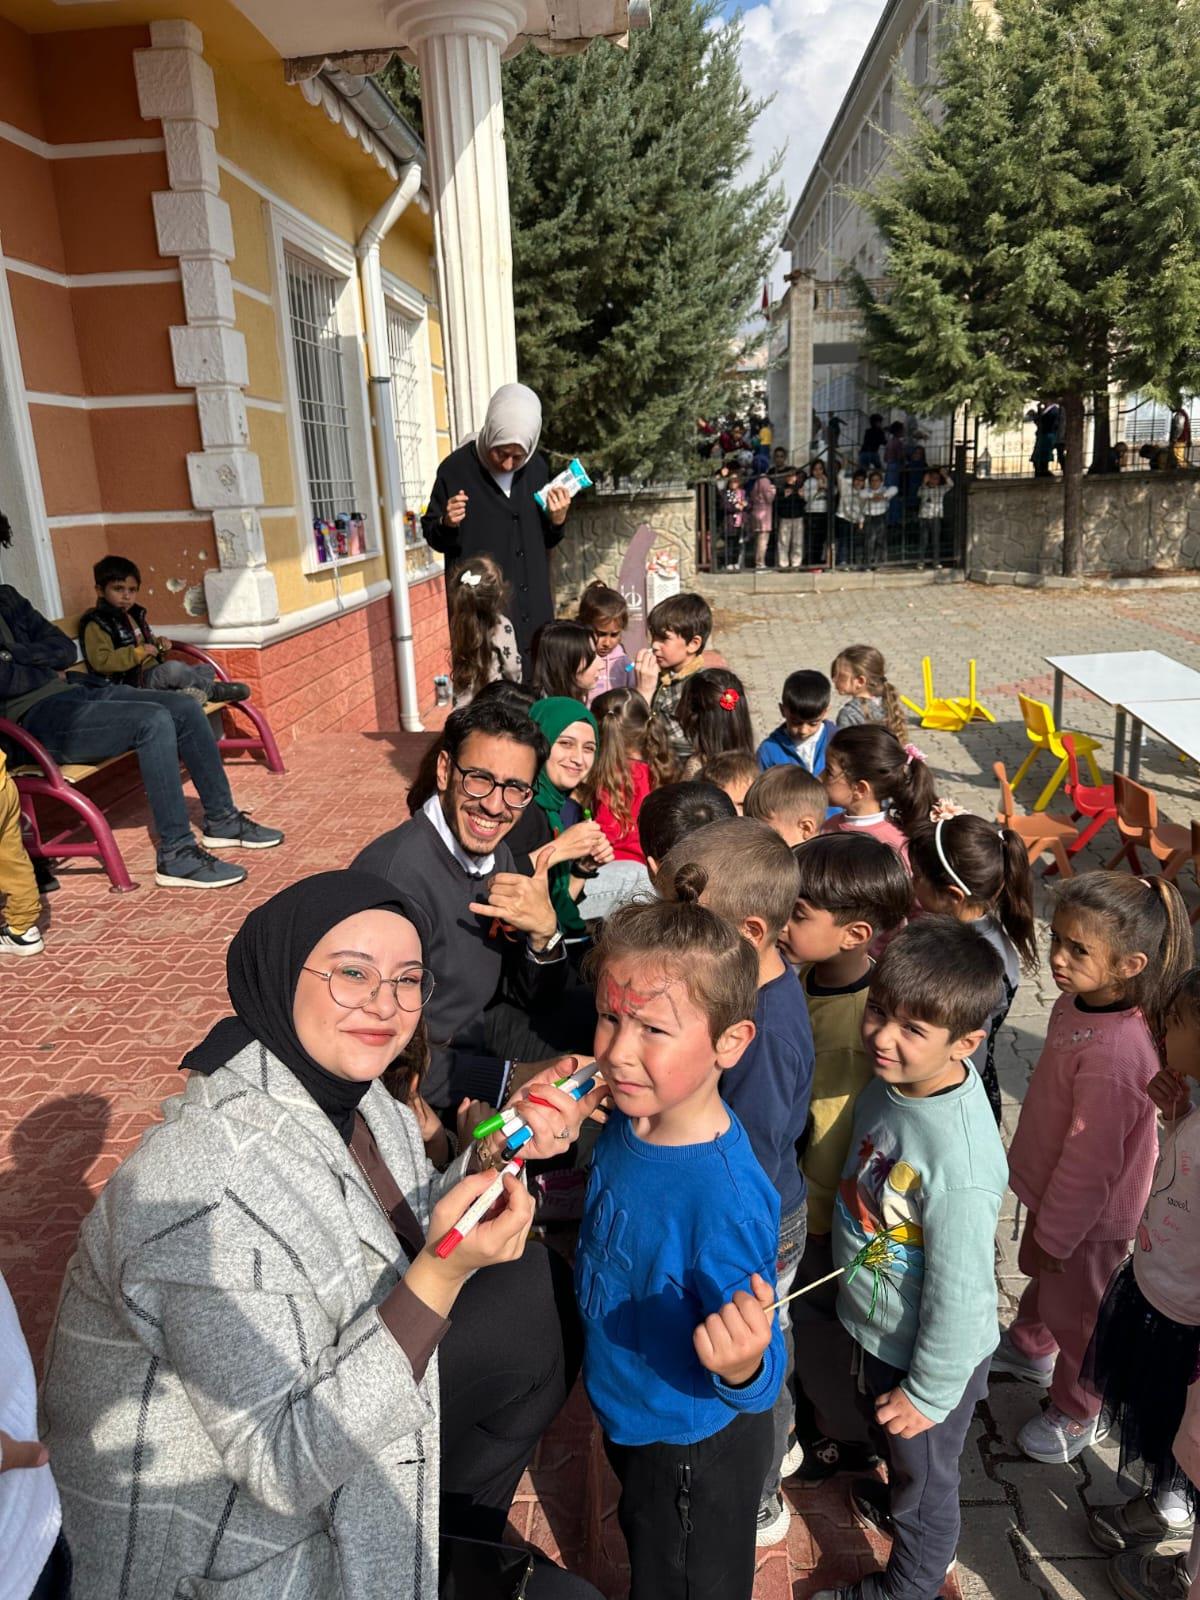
(801, 738)
(922, 1186)
(676, 1260)
(750, 878)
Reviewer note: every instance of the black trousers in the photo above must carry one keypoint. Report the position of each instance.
(506, 1368)
(688, 1511)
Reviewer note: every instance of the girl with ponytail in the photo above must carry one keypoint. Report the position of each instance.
(860, 673)
(883, 787)
(969, 869)
(1085, 1148)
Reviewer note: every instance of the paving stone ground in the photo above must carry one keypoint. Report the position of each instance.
(91, 1033)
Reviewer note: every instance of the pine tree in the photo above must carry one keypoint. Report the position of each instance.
(639, 245)
(1042, 218)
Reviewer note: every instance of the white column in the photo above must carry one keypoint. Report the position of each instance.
(800, 360)
(458, 51)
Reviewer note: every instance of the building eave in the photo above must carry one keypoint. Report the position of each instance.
(359, 105)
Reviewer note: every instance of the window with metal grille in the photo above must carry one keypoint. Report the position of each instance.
(407, 414)
(325, 418)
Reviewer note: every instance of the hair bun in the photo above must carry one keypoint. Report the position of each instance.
(690, 883)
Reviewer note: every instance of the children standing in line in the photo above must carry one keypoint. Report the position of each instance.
(714, 717)
(921, 1193)
(676, 1260)
(676, 810)
(874, 505)
(679, 628)
(852, 889)
(483, 646)
(1085, 1147)
(565, 663)
(860, 673)
(931, 504)
(19, 931)
(1147, 1342)
(634, 757)
(790, 800)
(883, 788)
(967, 867)
(734, 771)
(801, 737)
(749, 878)
(604, 611)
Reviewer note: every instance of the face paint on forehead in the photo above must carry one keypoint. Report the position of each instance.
(624, 1000)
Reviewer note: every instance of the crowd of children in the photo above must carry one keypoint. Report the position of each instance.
(801, 966)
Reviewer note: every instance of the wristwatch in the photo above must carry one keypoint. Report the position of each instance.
(550, 950)
(5, 655)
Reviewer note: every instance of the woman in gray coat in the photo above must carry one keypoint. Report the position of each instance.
(241, 1397)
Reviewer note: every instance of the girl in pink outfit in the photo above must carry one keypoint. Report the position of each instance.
(1085, 1147)
(762, 504)
(1144, 1354)
(883, 787)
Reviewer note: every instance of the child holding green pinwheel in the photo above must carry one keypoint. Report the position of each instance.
(914, 1227)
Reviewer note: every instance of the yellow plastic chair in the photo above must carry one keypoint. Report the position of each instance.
(1043, 735)
(948, 714)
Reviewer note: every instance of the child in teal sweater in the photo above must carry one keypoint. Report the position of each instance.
(921, 1194)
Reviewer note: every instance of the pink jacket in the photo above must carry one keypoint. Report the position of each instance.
(1084, 1151)
(762, 498)
(888, 831)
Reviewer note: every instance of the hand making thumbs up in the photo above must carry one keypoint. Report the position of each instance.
(524, 903)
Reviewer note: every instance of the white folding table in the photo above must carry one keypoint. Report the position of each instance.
(1176, 721)
(1120, 677)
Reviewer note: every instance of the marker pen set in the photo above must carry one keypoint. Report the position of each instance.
(513, 1125)
(475, 1213)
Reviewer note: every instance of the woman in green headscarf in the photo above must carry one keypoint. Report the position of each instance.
(573, 736)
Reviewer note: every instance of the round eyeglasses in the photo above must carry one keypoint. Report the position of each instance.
(356, 983)
(478, 784)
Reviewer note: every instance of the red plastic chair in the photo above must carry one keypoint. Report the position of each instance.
(1087, 800)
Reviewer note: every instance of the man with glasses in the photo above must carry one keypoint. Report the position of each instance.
(496, 951)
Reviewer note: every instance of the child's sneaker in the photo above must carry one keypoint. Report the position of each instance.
(1138, 1576)
(871, 1503)
(825, 1457)
(1134, 1525)
(229, 693)
(194, 868)
(774, 1519)
(793, 1460)
(1031, 1369)
(29, 943)
(1054, 1436)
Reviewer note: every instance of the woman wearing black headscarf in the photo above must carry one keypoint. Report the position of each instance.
(242, 1388)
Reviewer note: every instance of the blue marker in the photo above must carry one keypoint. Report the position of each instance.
(577, 1085)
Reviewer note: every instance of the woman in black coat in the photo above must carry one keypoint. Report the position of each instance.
(482, 504)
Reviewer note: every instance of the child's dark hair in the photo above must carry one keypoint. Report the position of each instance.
(627, 725)
(598, 603)
(1184, 1004)
(786, 794)
(561, 650)
(749, 871)
(856, 878)
(1137, 916)
(688, 615)
(732, 766)
(806, 695)
(478, 599)
(515, 697)
(988, 865)
(683, 941)
(941, 972)
(113, 569)
(864, 661)
(868, 753)
(713, 713)
(678, 809)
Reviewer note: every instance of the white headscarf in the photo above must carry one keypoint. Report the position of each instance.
(514, 416)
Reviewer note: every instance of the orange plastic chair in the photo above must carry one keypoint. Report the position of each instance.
(1043, 735)
(1041, 832)
(949, 714)
(1139, 825)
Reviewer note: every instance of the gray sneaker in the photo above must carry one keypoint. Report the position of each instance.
(1138, 1576)
(194, 868)
(239, 833)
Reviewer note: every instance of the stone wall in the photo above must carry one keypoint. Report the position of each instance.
(1133, 523)
(601, 528)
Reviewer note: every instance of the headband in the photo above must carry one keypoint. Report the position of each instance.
(941, 855)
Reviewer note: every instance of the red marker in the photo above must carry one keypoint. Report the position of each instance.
(476, 1212)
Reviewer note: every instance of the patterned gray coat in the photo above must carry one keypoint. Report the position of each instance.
(228, 1416)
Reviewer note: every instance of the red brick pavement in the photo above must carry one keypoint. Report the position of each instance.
(91, 1035)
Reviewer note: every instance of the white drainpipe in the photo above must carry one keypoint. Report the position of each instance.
(384, 418)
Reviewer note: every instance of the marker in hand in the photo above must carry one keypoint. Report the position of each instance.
(475, 1213)
(580, 1082)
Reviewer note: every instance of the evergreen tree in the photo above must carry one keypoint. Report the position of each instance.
(1042, 218)
(639, 246)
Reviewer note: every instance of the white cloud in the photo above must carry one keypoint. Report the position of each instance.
(804, 52)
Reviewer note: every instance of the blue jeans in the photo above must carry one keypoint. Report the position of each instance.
(792, 1232)
(92, 722)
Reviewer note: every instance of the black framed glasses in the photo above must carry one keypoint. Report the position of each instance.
(353, 984)
(478, 784)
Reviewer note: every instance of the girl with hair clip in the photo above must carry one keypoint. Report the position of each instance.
(969, 869)
(715, 717)
(1085, 1148)
(565, 663)
(860, 672)
(634, 757)
(483, 645)
(884, 788)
